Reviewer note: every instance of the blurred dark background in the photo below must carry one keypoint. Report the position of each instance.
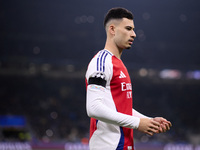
(46, 45)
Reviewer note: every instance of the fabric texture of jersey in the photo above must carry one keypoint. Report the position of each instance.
(116, 95)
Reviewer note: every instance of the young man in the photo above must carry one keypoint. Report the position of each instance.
(109, 90)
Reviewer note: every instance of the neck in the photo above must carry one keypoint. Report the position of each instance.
(113, 49)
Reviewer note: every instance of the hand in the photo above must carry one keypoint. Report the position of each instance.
(149, 126)
(164, 124)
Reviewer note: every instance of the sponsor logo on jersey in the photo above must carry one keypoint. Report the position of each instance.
(128, 88)
(122, 75)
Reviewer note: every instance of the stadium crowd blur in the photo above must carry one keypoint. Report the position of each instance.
(45, 49)
(53, 102)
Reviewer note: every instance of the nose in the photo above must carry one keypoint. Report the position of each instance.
(133, 35)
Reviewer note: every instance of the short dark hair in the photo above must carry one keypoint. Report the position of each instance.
(117, 13)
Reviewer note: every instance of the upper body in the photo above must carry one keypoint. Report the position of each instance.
(109, 103)
(109, 89)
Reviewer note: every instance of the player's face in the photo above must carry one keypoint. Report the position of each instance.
(124, 34)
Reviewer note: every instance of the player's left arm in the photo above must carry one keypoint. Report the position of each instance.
(164, 123)
(138, 114)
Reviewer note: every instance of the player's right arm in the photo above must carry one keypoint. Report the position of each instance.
(98, 110)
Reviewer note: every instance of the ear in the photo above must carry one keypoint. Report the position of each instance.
(112, 29)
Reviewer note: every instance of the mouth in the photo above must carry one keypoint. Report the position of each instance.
(130, 41)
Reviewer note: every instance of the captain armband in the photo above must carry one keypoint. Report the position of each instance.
(98, 79)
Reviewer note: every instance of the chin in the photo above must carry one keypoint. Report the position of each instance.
(128, 47)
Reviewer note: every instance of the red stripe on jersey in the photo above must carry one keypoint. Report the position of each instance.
(93, 126)
(121, 90)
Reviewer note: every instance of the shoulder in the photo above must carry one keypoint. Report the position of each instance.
(101, 62)
(103, 59)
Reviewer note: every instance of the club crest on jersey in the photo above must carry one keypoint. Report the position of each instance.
(122, 75)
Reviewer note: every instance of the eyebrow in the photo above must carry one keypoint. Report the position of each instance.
(132, 28)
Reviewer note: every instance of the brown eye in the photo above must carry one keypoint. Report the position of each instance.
(128, 28)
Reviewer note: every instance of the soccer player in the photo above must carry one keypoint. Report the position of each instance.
(109, 90)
